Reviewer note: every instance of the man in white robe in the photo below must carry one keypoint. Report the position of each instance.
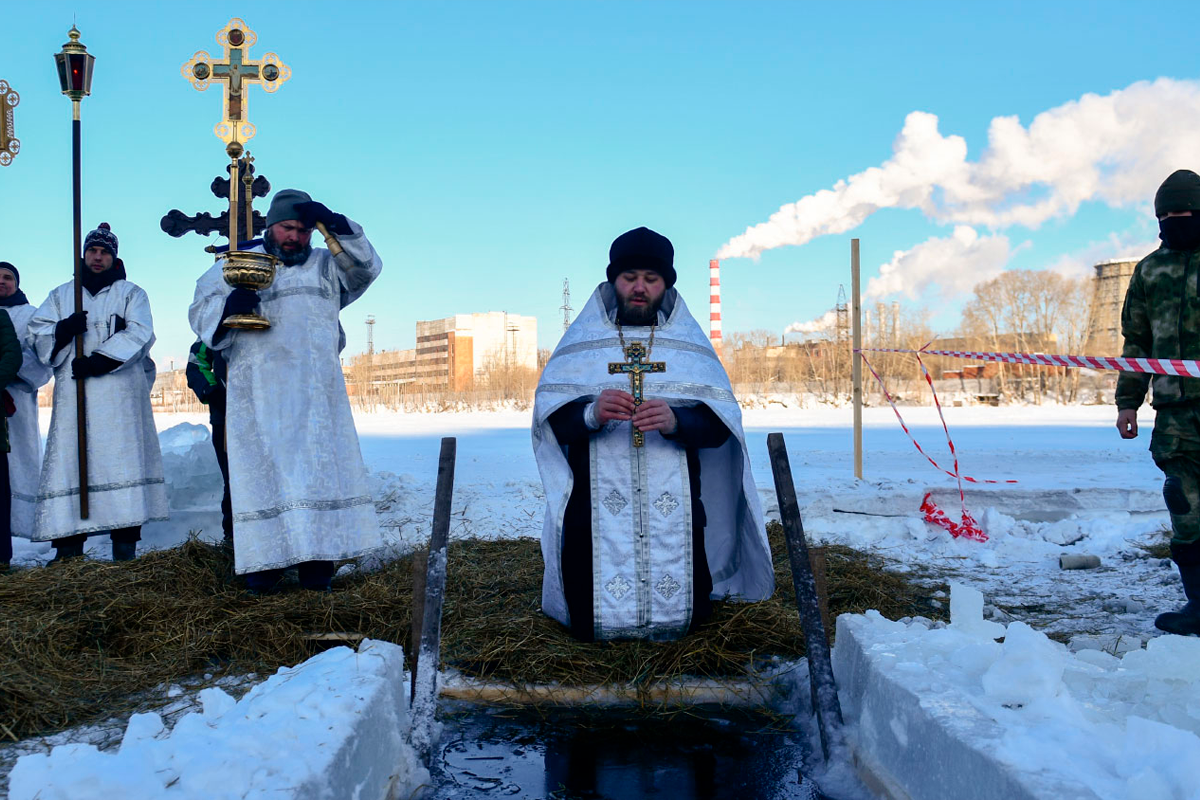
(635, 544)
(298, 484)
(24, 437)
(125, 473)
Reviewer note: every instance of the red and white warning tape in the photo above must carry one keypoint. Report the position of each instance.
(1156, 366)
(968, 527)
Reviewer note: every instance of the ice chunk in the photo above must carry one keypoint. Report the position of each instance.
(1030, 668)
(215, 702)
(141, 727)
(966, 613)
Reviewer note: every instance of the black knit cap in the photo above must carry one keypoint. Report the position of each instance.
(12, 269)
(1179, 192)
(642, 248)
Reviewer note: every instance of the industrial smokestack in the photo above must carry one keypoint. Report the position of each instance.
(714, 304)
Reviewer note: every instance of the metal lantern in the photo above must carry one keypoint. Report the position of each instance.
(75, 65)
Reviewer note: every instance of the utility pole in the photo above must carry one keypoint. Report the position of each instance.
(566, 306)
(370, 337)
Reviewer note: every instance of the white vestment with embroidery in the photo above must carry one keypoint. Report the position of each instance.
(124, 463)
(24, 437)
(297, 480)
(640, 497)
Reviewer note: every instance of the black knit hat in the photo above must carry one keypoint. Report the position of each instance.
(1179, 192)
(12, 269)
(101, 237)
(642, 248)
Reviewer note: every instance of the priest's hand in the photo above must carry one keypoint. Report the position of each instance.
(313, 212)
(92, 366)
(613, 404)
(655, 415)
(240, 301)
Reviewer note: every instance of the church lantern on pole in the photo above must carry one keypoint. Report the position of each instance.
(75, 66)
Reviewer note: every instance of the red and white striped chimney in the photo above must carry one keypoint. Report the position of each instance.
(714, 304)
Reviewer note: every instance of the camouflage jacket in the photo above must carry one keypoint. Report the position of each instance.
(1161, 319)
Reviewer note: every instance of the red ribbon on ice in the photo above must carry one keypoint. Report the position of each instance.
(968, 528)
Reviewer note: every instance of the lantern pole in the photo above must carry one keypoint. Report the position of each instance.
(75, 76)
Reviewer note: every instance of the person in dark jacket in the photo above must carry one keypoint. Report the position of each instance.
(206, 378)
(10, 365)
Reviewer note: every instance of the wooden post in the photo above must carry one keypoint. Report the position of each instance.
(420, 564)
(816, 643)
(856, 360)
(424, 702)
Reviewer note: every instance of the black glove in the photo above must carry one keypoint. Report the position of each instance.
(240, 301)
(312, 212)
(67, 329)
(93, 366)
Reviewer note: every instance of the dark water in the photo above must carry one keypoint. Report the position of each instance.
(562, 755)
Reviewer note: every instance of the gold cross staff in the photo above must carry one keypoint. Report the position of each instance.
(634, 366)
(10, 145)
(236, 73)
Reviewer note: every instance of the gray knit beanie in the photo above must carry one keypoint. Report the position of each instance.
(283, 205)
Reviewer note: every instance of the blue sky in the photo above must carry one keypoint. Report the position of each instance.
(492, 149)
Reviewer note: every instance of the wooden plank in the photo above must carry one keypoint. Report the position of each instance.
(424, 702)
(816, 643)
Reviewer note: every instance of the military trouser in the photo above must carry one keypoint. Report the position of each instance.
(1175, 445)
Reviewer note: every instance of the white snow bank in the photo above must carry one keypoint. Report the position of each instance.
(950, 712)
(332, 726)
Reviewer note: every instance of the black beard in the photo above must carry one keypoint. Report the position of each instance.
(629, 314)
(289, 259)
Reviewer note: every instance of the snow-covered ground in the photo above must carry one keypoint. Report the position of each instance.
(1080, 490)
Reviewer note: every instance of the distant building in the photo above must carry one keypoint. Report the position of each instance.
(1108, 296)
(453, 352)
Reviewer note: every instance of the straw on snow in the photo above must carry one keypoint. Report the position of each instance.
(81, 639)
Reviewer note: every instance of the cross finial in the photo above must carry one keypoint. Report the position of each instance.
(10, 145)
(236, 71)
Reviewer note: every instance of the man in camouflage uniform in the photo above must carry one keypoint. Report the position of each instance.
(1161, 319)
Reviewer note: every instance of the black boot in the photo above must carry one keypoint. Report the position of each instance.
(1186, 620)
(69, 547)
(124, 543)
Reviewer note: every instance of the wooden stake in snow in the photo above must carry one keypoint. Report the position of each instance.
(424, 702)
(820, 667)
(855, 359)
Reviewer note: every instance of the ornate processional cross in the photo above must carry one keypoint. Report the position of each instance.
(634, 366)
(236, 73)
(10, 145)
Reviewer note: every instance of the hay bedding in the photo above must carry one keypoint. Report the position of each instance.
(81, 639)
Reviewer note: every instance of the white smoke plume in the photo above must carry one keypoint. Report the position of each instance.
(954, 264)
(822, 324)
(1128, 246)
(1115, 149)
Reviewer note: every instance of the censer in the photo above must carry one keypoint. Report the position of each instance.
(243, 268)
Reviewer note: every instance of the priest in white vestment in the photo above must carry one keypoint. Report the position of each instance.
(24, 437)
(297, 481)
(125, 473)
(651, 509)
